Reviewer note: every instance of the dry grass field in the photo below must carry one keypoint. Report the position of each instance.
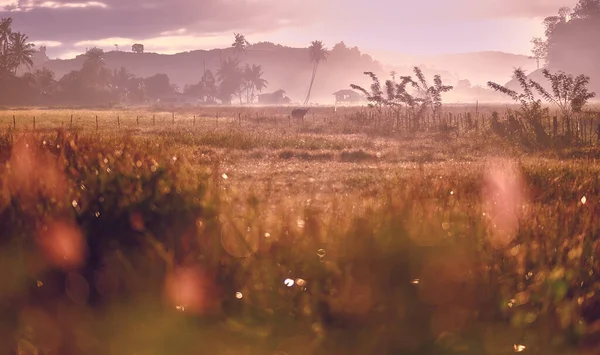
(243, 231)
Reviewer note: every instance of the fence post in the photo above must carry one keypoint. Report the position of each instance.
(14, 122)
(217, 119)
(137, 120)
(71, 121)
(153, 121)
(96, 122)
(34, 123)
(118, 121)
(173, 115)
(194, 120)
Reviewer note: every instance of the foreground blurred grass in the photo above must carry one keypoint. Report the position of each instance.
(292, 243)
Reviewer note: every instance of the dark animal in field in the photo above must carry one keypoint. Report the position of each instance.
(299, 113)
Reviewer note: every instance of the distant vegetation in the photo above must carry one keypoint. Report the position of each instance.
(569, 42)
(95, 84)
(29, 78)
(396, 96)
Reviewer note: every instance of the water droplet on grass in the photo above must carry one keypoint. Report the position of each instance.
(519, 348)
(289, 282)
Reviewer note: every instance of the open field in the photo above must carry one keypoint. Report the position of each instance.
(241, 231)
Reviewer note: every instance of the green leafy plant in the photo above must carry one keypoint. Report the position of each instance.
(569, 93)
(531, 112)
(397, 95)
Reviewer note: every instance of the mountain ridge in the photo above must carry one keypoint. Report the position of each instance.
(289, 68)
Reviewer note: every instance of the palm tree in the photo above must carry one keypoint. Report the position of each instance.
(208, 86)
(230, 80)
(317, 53)
(94, 70)
(240, 43)
(5, 31)
(120, 81)
(20, 52)
(42, 80)
(254, 81)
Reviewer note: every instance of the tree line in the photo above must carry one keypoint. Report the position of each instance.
(95, 84)
(570, 38)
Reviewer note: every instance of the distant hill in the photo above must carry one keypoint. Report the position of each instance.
(289, 68)
(477, 67)
(284, 67)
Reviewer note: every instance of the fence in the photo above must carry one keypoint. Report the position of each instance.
(583, 127)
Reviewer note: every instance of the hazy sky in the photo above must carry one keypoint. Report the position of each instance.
(167, 26)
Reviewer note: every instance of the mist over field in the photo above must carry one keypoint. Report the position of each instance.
(299, 177)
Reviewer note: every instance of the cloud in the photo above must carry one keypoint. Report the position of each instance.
(515, 8)
(77, 20)
(166, 44)
(49, 44)
(168, 26)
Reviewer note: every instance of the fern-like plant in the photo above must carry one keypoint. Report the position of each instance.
(532, 111)
(569, 93)
(375, 96)
(397, 95)
(432, 95)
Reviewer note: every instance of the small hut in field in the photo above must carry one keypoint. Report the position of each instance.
(347, 97)
(276, 98)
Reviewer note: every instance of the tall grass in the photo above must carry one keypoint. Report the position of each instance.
(169, 241)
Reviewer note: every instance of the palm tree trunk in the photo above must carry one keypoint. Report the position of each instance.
(312, 80)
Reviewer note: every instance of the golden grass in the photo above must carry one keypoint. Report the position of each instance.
(267, 235)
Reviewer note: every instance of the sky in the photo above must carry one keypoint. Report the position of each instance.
(68, 27)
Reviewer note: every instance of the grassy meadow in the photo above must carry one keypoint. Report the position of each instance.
(242, 231)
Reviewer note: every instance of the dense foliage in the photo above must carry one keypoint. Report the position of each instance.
(95, 84)
(570, 38)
